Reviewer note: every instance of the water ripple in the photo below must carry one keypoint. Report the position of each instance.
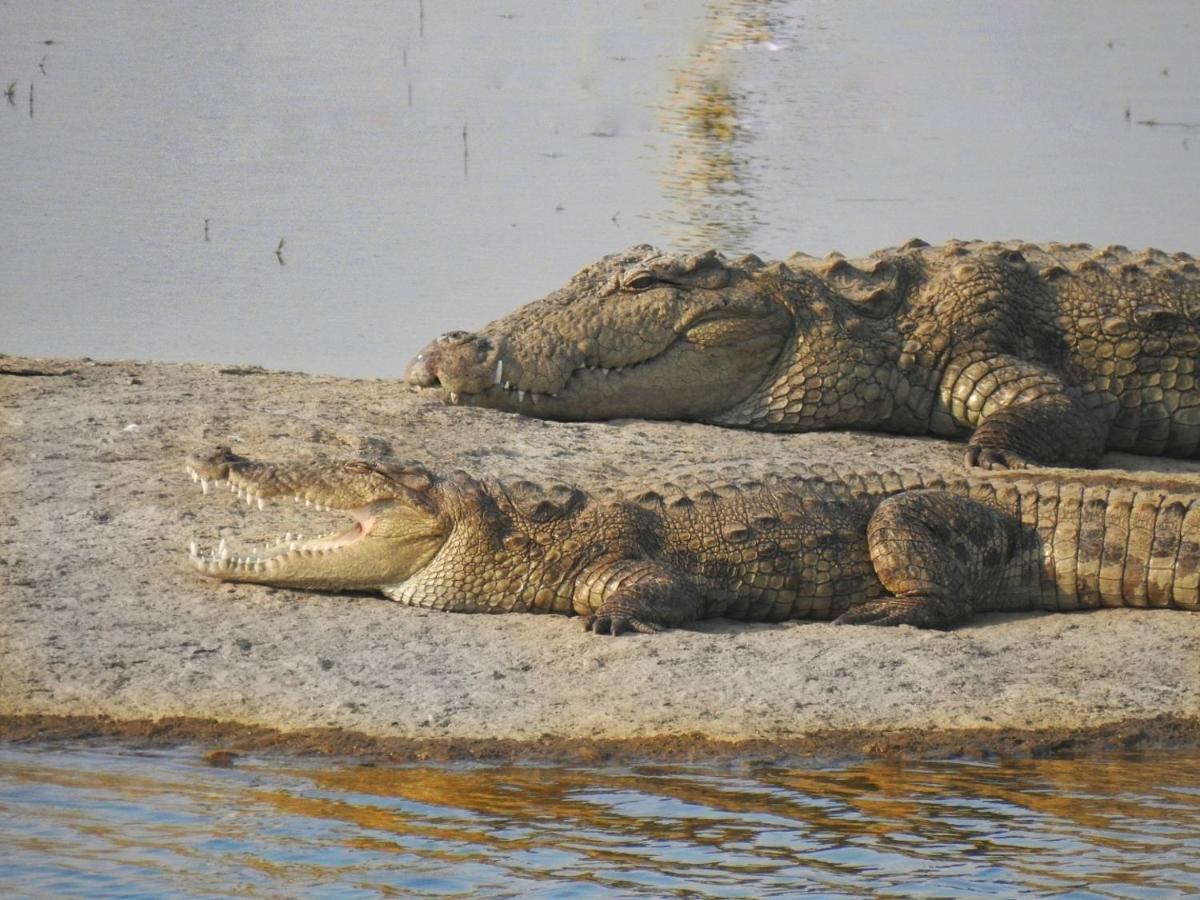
(111, 821)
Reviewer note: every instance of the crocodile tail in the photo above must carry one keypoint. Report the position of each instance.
(1136, 548)
(1097, 544)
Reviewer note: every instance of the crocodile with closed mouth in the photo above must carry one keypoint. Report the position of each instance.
(1042, 354)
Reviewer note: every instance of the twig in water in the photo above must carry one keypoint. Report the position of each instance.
(42, 65)
(206, 238)
(1154, 123)
(466, 152)
(11, 94)
(279, 252)
(31, 99)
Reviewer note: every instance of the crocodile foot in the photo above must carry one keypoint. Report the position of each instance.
(920, 612)
(615, 619)
(1054, 430)
(637, 595)
(993, 458)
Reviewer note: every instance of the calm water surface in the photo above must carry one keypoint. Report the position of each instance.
(95, 821)
(430, 164)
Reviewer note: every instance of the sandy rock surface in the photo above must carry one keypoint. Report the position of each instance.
(101, 614)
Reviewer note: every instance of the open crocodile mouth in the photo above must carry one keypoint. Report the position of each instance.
(221, 561)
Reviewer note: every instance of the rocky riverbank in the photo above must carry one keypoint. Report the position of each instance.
(105, 628)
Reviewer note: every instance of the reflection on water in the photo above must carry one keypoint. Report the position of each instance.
(820, 126)
(709, 176)
(85, 820)
(326, 190)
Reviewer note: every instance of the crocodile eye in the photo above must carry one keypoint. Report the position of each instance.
(638, 280)
(358, 467)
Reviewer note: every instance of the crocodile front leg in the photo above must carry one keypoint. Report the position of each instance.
(940, 555)
(1022, 414)
(1045, 432)
(635, 595)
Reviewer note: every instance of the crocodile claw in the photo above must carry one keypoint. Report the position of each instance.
(920, 612)
(870, 616)
(615, 625)
(993, 458)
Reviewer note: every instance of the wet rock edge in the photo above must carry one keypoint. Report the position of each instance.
(1133, 735)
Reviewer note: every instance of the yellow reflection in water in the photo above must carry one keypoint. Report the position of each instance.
(1041, 824)
(710, 178)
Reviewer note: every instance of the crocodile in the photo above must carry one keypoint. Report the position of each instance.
(884, 548)
(1043, 354)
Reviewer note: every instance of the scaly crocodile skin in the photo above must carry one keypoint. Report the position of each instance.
(859, 547)
(1045, 354)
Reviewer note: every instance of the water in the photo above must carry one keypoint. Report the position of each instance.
(430, 165)
(91, 821)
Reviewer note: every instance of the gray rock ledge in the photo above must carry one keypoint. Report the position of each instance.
(102, 619)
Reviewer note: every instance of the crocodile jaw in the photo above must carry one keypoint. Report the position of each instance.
(696, 375)
(389, 542)
(339, 560)
(638, 333)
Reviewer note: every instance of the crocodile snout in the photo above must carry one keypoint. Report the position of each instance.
(457, 361)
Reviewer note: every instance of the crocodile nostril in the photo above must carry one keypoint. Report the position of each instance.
(422, 371)
(458, 361)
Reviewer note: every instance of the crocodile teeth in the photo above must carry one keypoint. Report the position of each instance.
(261, 505)
(454, 396)
(521, 396)
(499, 371)
(203, 485)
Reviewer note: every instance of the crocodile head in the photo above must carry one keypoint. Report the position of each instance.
(638, 333)
(399, 523)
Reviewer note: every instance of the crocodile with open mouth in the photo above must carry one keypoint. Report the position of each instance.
(884, 548)
(1044, 354)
